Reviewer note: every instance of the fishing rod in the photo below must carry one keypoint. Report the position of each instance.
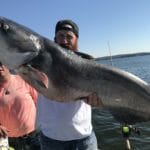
(110, 53)
(126, 132)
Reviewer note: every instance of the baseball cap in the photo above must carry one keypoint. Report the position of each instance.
(68, 25)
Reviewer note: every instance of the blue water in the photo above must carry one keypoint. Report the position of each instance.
(108, 130)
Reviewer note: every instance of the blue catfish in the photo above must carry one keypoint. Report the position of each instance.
(63, 76)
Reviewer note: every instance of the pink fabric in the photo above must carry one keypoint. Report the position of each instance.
(18, 107)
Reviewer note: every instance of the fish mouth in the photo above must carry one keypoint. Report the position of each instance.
(20, 59)
(36, 75)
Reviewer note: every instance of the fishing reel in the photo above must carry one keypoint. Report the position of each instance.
(128, 129)
(126, 132)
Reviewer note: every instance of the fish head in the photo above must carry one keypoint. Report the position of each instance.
(17, 43)
(36, 71)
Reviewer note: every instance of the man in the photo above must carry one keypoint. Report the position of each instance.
(18, 111)
(67, 126)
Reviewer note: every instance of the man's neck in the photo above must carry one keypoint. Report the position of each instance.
(4, 80)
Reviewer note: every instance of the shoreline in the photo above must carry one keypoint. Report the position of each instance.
(123, 55)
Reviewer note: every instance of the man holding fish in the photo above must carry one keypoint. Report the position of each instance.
(67, 126)
(62, 76)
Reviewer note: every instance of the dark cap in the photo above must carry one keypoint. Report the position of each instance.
(68, 25)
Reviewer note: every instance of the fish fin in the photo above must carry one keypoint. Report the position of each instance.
(40, 77)
(43, 79)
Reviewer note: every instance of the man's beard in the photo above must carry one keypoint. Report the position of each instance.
(65, 46)
(69, 47)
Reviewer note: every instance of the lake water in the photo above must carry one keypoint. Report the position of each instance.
(107, 129)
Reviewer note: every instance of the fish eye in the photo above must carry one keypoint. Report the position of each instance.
(5, 27)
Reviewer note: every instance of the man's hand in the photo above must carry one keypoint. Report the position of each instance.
(94, 100)
(3, 132)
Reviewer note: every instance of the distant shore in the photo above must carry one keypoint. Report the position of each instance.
(124, 55)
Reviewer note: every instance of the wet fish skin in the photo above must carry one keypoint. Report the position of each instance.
(16, 38)
(70, 77)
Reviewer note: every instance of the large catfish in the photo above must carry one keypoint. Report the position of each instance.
(62, 75)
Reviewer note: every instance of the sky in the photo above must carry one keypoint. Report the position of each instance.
(106, 26)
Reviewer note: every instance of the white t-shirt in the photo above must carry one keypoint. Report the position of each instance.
(64, 121)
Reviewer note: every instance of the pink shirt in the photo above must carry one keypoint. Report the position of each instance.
(17, 107)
